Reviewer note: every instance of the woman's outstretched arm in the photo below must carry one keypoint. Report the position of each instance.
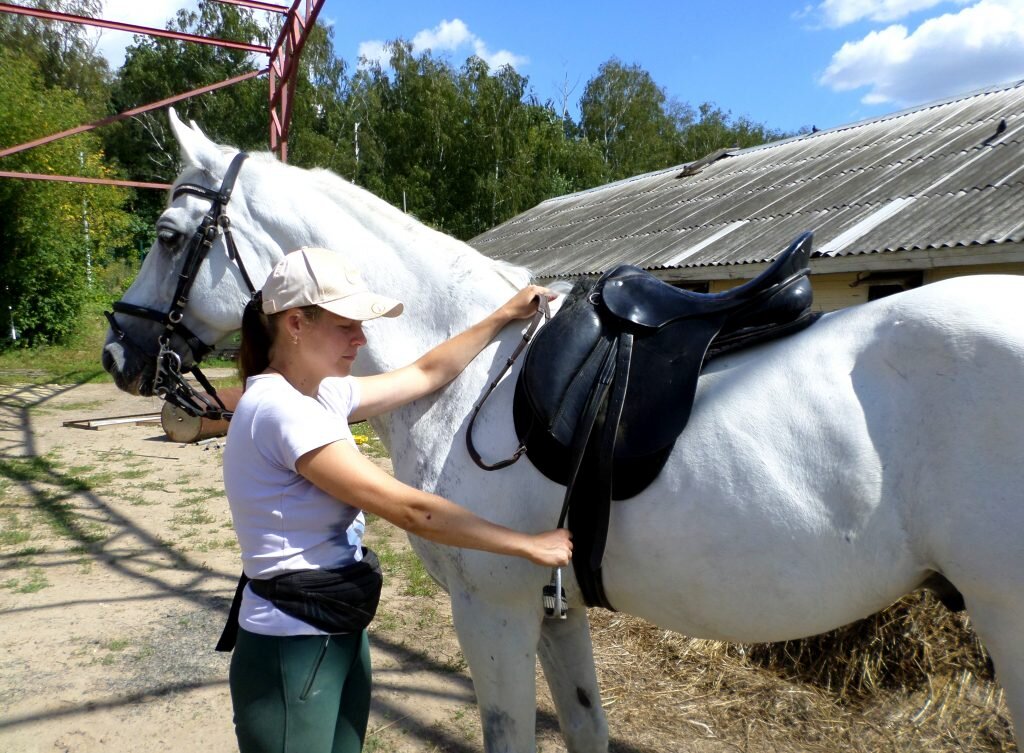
(432, 371)
(341, 471)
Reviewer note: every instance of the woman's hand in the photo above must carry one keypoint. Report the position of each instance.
(523, 304)
(551, 548)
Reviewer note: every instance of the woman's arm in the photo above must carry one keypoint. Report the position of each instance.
(383, 392)
(341, 471)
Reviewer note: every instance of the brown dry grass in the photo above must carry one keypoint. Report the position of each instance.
(912, 678)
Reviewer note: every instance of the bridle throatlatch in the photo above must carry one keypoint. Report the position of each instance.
(169, 380)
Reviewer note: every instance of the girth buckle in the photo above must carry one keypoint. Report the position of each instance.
(556, 607)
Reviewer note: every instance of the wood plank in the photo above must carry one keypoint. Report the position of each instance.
(98, 424)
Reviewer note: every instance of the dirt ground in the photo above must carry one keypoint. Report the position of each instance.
(118, 562)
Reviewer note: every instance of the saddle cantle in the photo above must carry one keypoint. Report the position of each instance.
(608, 384)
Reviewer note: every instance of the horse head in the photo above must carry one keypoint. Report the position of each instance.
(197, 276)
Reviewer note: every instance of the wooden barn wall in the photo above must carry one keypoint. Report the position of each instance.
(836, 291)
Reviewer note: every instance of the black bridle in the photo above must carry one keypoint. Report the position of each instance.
(169, 381)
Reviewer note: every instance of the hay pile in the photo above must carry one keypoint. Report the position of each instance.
(911, 678)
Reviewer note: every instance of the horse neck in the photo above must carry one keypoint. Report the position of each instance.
(445, 284)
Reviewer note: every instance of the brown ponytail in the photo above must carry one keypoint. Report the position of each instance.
(258, 333)
(254, 350)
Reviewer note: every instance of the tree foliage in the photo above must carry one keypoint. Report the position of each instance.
(63, 53)
(56, 237)
(624, 112)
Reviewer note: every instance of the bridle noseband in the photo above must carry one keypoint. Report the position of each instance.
(169, 382)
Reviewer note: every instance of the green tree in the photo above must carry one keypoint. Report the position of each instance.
(624, 112)
(157, 68)
(461, 149)
(56, 237)
(715, 129)
(63, 53)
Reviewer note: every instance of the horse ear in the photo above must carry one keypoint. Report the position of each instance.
(196, 148)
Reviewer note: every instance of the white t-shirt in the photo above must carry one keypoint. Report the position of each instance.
(282, 520)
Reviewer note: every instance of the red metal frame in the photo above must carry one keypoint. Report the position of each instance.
(283, 63)
(50, 15)
(284, 57)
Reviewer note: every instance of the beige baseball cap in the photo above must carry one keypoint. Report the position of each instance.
(317, 277)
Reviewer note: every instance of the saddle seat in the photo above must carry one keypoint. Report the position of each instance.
(608, 384)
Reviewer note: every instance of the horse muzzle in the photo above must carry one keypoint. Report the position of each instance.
(131, 373)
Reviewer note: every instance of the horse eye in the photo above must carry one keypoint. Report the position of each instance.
(168, 237)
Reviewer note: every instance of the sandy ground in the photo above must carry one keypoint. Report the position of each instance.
(117, 563)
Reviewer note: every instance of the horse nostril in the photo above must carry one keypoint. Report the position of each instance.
(112, 358)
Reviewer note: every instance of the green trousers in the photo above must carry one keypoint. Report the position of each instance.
(300, 694)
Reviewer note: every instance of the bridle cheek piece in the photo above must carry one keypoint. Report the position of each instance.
(169, 381)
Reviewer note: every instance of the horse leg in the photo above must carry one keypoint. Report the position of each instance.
(997, 621)
(499, 641)
(566, 653)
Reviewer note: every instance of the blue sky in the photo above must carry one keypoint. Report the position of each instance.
(786, 64)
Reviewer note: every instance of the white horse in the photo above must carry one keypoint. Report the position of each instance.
(820, 478)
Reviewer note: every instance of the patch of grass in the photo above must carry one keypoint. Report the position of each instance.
(49, 490)
(81, 405)
(454, 664)
(198, 499)
(385, 620)
(368, 441)
(34, 580)
(60, 516)
(215, 544)
(14, 532)
(405, 563)
(195, 516)
(152, 486)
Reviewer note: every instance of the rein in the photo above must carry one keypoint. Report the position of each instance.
(543, 314)
(169, 381)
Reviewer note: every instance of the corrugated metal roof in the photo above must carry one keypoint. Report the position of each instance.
(948, 174)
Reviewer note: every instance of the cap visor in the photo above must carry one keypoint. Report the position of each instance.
(363, 306)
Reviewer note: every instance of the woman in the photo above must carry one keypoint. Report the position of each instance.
(296, 484)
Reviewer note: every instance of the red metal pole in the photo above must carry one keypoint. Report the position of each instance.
(129, 113)
(284, 56)
(283, 59)
(119, 26)
(77, 179)
(269, 7)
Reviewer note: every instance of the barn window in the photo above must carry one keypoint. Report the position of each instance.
(881, 291)
(694, 287)
(882, 284)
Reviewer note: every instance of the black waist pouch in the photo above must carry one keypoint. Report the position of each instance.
(335, 601)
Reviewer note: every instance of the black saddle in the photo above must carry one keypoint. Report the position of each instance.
(608, 384)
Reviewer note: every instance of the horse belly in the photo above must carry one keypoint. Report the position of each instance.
(773, 519)
(822, 477)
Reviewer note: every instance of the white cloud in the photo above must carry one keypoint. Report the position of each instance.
(835, 13)
(447, 37)
(152, 13)
(946, 55)
(373, 52)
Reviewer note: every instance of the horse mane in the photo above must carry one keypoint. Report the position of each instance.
(379, 215)
(385, 214)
